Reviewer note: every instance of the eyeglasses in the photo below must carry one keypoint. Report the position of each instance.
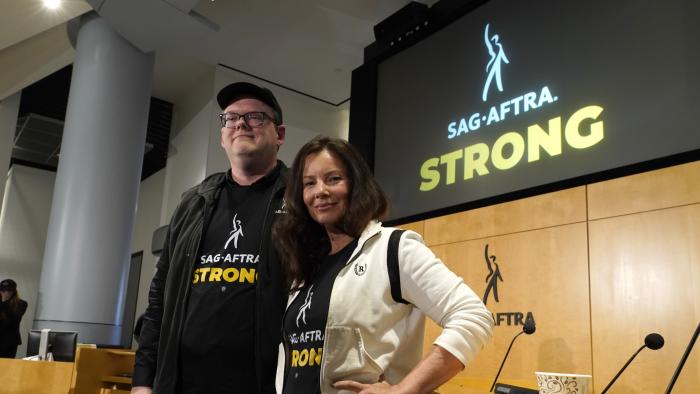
(252, 119)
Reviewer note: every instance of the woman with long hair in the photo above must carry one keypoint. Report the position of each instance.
(12, 309)
(354, 321)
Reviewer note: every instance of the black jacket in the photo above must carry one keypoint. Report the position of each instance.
(156, 362)
(9, 323)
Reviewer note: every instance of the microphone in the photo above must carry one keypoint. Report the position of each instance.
(683, 359)
(653, 341)
(528, 328)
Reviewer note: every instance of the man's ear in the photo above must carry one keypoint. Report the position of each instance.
(281, 133)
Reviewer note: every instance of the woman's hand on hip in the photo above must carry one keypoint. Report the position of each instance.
(364, 388)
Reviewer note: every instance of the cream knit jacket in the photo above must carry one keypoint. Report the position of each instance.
(370, 337)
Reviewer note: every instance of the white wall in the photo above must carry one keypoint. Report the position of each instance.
(9, 108)
(146, 221)
(304, 118)
(24, 224)
(24, 221)
(187, 153)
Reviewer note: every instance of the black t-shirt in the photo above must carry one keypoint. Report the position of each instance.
(217, 352)
(305, 326)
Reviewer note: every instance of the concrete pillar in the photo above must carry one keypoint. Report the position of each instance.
(9, 108)
(87, 252)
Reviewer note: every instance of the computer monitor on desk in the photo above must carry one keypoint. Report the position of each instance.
(61, 344)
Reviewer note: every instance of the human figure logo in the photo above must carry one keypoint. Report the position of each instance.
(283, 208)
(513, 318)
(493, 277)
(493, 68)
(306, 306)
(236, 232)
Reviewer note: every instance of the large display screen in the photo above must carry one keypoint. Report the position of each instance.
(518, 94)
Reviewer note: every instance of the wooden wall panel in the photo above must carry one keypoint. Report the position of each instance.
(645, 277)
(544, 272)
(600, 266)
(415, 226)
(668, 187)
(551, 209)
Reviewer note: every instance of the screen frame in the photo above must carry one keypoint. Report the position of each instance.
(363, 115)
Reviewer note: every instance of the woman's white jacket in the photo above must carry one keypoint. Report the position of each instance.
(370, 337)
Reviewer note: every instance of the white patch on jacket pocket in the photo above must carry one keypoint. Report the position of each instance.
(345, 358)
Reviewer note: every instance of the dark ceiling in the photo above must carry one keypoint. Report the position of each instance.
(42, 111)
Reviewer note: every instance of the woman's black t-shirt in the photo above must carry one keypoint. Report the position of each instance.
(305, 324)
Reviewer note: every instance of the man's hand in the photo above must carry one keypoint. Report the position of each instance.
(362, 388)
(141, 390)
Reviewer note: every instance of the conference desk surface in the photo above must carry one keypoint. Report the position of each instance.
(460, 385)
(100, 366)
(35, 377)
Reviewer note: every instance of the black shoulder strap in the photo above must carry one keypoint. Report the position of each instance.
(392, 261)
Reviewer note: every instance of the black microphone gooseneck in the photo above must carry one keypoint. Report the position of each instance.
(683, 359)
(652, 341)
(528, 328)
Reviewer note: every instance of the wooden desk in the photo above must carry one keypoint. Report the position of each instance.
(35, 377)
(103, 371)
(460, 385)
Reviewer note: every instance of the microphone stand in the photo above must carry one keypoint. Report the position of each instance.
(683, 359)
(504, 360)
(623, 368)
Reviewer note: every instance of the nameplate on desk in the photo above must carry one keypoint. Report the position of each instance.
(508, 389)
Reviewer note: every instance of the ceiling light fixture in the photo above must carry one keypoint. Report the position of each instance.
(52, 4)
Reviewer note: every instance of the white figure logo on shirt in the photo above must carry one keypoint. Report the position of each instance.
(283, 208)
(307, 305)
(235, 232)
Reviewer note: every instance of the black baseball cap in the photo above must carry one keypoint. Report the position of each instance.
(239, 90)
(8, 284)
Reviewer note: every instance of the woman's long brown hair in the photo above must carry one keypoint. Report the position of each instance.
(302, 242)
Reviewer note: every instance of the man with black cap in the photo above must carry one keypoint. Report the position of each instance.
(216, 300)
